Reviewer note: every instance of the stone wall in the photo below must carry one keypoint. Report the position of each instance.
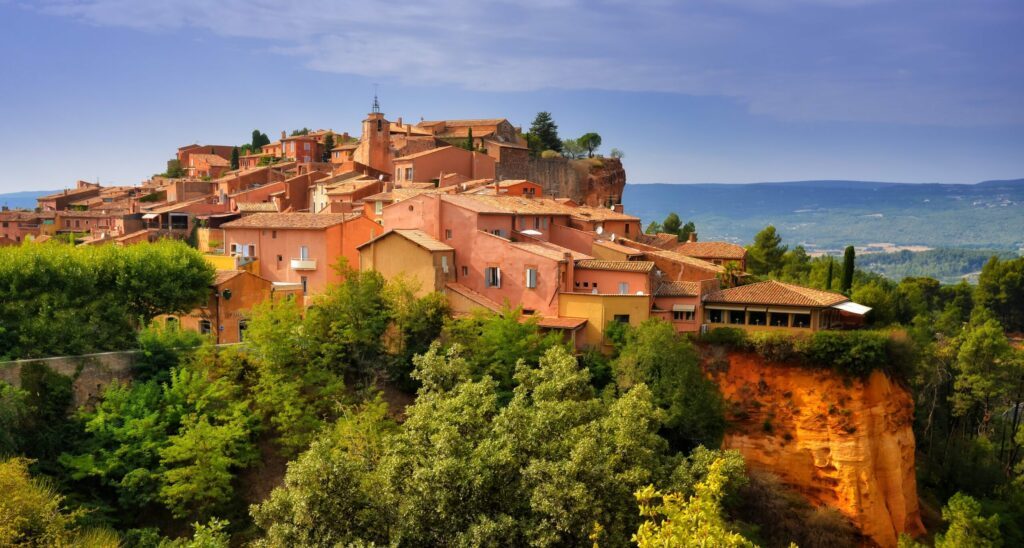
(594, 181)
(91, 372)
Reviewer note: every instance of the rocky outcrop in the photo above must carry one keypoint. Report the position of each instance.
(848, 444)
(602, 181)
(590, 181)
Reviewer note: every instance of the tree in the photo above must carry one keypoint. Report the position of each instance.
(694, 522)
(328, 146)
(1001, 290)
(617, 154)
(234, 158)
(164, 277)
(31, 511)
(828, 277)
(591, 142)
(13, 413)
(849, 258)
(303, 131)
(468, 144)
(572, 149)
(174, 169)
(686, 230)
(766, 254)
(655, 355)
(653, 228)
(259, 140)
(671, 224)
(546, 132)
(967, 527)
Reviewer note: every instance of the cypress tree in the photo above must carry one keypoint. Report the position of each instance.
(328, 145)
(469, 141)
(828, 279)
(849, 257)
(234, 158)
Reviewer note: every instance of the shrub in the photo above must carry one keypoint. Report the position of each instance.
(775, 346)
(728, 336)
(855, 353)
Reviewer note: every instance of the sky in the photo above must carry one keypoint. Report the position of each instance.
(690, 90)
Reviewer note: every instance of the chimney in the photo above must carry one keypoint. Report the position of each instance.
(399, 121)
(693, 237)
(283, 134)
(617, 208)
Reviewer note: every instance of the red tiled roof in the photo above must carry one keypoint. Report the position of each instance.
(773, 292)
(556, 322)
(686, 260)
(315, 221)
(415, 236)
(618, 266)
(549, 250)
(717, 250)
(678, 289)
(508, 204)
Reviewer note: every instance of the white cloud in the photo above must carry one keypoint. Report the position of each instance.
(862, 60)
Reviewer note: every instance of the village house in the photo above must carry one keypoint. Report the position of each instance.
(412, 255)
(300, 248)
(61, 200)
(775, 305)
(185, 152)
(432, 165)
(19, 225)
(720, 253)
(233, 294)
(208, 166)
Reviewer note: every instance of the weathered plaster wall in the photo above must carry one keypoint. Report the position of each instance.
(92, 372)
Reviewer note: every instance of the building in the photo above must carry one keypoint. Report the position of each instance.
(431, 165)
(19, 225)
(61, 200)
(222, 151)
(413, 255)
(233, 294)
(719, 253)
(208, 166)
(300, 248)
(774, 305)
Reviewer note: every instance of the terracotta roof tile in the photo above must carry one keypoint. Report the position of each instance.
(508, 204)
(548, 250)
(619, 248)
(773, 292)
(474, 296)
(718, 250)
(678, 289)
(601, 214)
(256, 207)
(619, 266)
(556, 322)
(686, 260)
(316, 221)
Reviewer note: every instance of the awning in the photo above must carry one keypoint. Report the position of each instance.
(683, 308)
(150, 216)
(853, 308)
(757, 309)
(788, 311)
(724, 307)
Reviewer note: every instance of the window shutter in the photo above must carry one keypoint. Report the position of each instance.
(497, 277)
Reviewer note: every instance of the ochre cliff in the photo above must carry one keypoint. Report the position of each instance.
(848, 444)
(600, 181)
(590, 181)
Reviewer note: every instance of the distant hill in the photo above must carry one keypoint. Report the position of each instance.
(826, 215)
(25, 200)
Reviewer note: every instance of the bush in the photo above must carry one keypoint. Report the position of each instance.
(855, 353)
(775, 346)
(161, 347)
(728, 336)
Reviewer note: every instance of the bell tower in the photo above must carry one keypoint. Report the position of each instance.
(375, 144)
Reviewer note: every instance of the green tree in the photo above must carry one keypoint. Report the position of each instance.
(259, 140)
(1001, 290)
(828, 277)
(234, 158)
(31, 511)
(985, 373)
(686, 230)
(765, 256)
(573, 149)
(546, 132)
(328, 146)
(617, 154)
(653, 228)
(174, 169)
(655, 355)
(13, 414)
(967, 527)
(849, 258)
(673, 520)
(468, 144)
(591, 142)
(671, 224)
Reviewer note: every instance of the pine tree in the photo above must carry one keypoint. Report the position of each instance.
(546, 131)
(849, 258)
(766, 255)
(672, 224)
(234, 158)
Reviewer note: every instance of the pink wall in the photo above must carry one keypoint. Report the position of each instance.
(474, 165)
(682, 326)
(576, 240)
(324, 246)
(608, 281)
(488, 250)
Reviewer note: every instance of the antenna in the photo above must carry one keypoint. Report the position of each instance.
(376, 103)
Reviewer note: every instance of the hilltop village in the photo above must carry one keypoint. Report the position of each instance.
(448, 204)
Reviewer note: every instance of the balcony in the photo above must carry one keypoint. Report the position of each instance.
(303, 264)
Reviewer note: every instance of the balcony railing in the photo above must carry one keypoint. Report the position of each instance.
(303, 264)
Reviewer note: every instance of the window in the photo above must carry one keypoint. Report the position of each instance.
(273, 234)
(77, 223)
(492, 276)
(233, 248)
(715, 316)
(447, 234)
(378, 207)
(531, 278)
(758, 318)
(67, 223)
(279, 259)
(801, 320)
(444, 264)
(682, 315)
(621, 318)
(623, 288)
(522, 223)
(544, 223)
(627, 228)
(303, 252)
(778, 319)
(204, 327)
(465, 271)
(497, 232)
(242, 326)
(737, 317)
(305, 285)
(408, 174)
(536, 222)
(306, 147)
(586, 284)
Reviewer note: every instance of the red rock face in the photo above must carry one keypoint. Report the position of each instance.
(842, 443)
(604, 180)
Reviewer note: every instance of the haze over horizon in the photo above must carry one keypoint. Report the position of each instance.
(738, 91)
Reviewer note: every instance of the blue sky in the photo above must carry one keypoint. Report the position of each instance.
(692, 91)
